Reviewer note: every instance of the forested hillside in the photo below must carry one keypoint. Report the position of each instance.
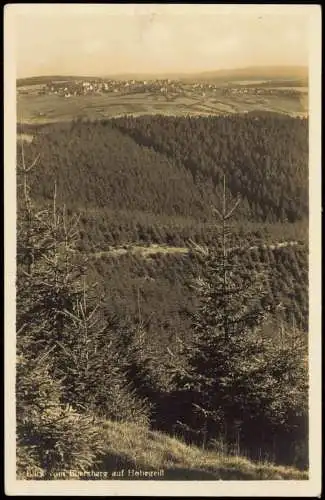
(159, 288)
(174, 166)
(153, 180)
(264, 155)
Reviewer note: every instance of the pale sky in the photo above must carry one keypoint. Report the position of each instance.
(105, 39)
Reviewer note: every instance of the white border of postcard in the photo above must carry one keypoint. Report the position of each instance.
(310, 487)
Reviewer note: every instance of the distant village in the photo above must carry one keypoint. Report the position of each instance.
(166, 87)
(92, 87)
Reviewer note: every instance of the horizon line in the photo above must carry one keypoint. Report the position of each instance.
(170, 73)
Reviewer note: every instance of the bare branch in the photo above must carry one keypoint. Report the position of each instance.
(33, 164)
(54, 205)
(170, 352)
(233, 209)
(215, 210)
(199, 248)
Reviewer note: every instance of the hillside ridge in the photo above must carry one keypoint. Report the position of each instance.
(271, 72)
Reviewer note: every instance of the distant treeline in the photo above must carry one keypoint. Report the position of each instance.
(43, 80)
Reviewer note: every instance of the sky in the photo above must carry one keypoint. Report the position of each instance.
(103, 39)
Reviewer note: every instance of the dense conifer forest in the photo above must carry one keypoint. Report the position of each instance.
(153, 180)
(174, 166)
(128, 207)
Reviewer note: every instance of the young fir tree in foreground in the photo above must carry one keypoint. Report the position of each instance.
(239, 385)
(68, 366)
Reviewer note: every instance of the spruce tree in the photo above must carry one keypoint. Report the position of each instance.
(51, 434)
(67, 372)
(230, 388)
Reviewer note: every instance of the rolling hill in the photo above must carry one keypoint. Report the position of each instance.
(273, 73)
(222, 75)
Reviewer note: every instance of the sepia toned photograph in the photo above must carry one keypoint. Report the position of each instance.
(162, 250)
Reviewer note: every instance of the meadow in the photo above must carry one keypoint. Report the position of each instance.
(37, 109)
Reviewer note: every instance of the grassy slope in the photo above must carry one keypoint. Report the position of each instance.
(128, 446)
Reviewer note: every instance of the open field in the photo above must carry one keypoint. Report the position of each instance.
(34, 108)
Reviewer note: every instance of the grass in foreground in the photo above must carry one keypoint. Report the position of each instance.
(125, 451)
(131, 448)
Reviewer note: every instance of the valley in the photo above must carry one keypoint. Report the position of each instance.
(144, 189)
(136, 182)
